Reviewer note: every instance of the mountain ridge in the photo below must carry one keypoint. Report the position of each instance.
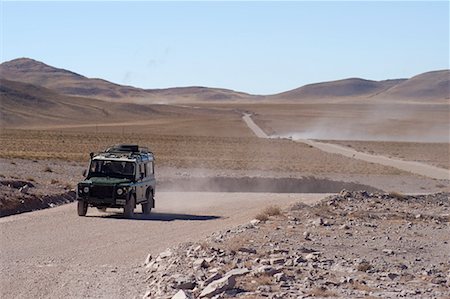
(429, 86)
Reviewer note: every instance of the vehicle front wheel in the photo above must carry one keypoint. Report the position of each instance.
(82, 208)
(128, 210)
(146, 206)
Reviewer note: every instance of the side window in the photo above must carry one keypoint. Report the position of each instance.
(145, 170)
(150, 169)
(141, 169)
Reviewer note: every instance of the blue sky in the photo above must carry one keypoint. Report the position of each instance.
(255, 47)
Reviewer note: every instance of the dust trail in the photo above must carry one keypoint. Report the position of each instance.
(410, 166)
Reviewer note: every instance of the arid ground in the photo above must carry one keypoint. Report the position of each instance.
(215, 174)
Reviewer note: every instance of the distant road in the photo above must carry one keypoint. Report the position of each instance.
(253, 126)
(410, 166)
(54, 253)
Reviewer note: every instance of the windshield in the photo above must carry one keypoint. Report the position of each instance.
(109, 168)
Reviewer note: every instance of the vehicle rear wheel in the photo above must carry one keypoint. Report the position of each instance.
(146, 206)
(82, 208)
(128, 209)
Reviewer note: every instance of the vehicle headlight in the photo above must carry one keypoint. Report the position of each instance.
(119, 191)
(86, 189)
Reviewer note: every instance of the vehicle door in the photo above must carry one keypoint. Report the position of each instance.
(141, 182)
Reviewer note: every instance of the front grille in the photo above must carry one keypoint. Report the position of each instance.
(102, 191)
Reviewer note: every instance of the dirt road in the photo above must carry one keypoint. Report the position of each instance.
(54, 253)
(410, 166)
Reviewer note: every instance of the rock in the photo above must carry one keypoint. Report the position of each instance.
(247, 250)
(181, 281)
(181, 294)
(307, 250)
(388, 251)
(237, 272)
(306, 235)
(280, 277)
(24, 189)
(218, 286)
(200, 263)
(279, 251)
(255, 222)
(152, 266)
(147, 294)
(344, 226)
(263, 289)
(318, 222)
(299, 260)
(392, 276)
(211, 278)
(344, 193)
(163, 255)
(148, 259)
(277, 261)
(313, 256)
(266, 270)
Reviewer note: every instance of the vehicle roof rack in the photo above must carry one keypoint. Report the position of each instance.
(128, 148)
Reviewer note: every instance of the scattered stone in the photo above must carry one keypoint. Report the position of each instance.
(200, 263)
(392, 276)
(148, 259)
(247, 250)
(306, 235)
(277, 261)
(181, 281)
(369, 260)
(388, 251)
(280, 277)
(24, 189)
(255, 222)
(211, 278)
(344, 226)
(182, 294)
(218, 286)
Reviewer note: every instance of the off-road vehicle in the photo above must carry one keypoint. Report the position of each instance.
(120, 177)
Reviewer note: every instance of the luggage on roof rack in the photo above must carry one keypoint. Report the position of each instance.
(127, 148)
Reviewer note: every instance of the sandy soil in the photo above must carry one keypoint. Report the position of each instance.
(55, 253)
(437, 154)
(363, 121)
(237, 153)
(410, 166)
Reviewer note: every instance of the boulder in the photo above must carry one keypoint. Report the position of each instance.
(218, 286)
(181, 294)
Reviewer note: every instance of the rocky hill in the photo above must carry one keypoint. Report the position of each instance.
(353, 87)
(430, 87)
(72, 84)
(24, 104)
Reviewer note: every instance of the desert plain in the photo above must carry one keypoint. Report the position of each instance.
(228, 198)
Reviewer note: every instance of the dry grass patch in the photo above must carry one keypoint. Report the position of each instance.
(322, 292)
(268, 212)
(237, 243)
(273, 211)
(262, 217)
(397, 195)
(364, 266)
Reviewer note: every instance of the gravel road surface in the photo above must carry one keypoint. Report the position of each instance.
(54, 253)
